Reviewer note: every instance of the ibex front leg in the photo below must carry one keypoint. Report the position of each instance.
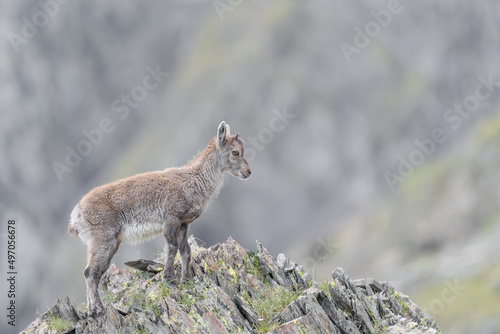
(185, 252)
(171, 231)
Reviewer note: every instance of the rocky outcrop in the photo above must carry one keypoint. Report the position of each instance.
(239, 291)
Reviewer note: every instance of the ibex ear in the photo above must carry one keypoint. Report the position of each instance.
(236, 137)
(221, 133)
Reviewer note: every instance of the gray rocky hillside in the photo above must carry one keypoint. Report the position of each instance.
(236, 290)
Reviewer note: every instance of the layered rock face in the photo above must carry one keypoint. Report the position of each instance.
(236, 290)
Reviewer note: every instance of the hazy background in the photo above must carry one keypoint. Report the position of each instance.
(319, 191)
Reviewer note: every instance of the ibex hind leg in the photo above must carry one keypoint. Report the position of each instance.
(99, 259)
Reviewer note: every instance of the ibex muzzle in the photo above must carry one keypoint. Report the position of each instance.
(140, 207)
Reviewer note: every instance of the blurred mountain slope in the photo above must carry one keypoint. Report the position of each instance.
(324, 170)
(441, 229)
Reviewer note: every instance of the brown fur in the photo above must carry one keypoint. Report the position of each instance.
(140, 207)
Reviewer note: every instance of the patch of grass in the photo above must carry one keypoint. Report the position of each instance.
(151, 304)
(189, 285)
(164, 290)
(140, 329)
(108, 295)
(58, 323)
(324, 285)
(143, 274)
(253, 267)
(186, 299)
(137, 297)
(268, 303)
(379, 328)
(153, 307)
(187, 293)
(406, 308)
(151, 300)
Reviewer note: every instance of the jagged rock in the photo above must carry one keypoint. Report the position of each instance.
(235, 290)
(146, 265)
(304, 315)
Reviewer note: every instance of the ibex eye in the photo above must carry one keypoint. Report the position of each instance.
(236, 153)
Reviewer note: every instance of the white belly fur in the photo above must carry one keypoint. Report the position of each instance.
(135, 233)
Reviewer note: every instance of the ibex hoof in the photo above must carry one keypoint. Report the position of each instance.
(96, 311)
(187, 280)
(170, 280)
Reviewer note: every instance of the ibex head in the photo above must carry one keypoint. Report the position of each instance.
(230, 151)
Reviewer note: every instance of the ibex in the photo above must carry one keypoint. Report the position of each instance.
(139, 207)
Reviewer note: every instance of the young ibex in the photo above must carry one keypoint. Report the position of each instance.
(140, 207)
